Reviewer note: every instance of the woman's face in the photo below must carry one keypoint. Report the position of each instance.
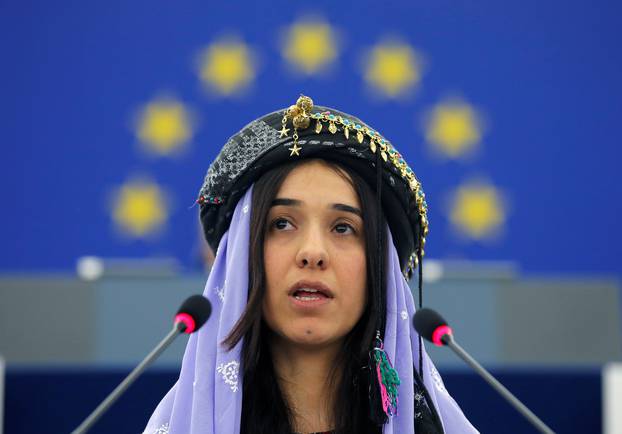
(314, 253)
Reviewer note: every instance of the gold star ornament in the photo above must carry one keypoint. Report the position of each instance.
(139, 208)
(164, 126)
(227, 66)
(393, 68)
(284, 131)
(295, 150)
(310, 45)
(477, 210)
(453, 128)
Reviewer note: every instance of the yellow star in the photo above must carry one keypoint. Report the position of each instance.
(454, 128)
(393, 68)
(310, 45)
(477, 210)
(164, 126)
(139, 208)
(295, 150)
(227, 66)
(284, 131)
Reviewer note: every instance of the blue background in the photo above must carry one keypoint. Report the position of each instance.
(546, 75)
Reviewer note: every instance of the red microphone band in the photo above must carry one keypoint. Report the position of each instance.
(187, 320)
(439, 333)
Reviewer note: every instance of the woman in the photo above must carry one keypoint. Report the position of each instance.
(311, 305)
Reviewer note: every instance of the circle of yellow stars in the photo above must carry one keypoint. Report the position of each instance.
(393, 68)
(227, 66)
(139, 208)
(164, 126)
(310, 45)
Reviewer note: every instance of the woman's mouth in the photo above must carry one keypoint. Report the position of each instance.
(309, 294)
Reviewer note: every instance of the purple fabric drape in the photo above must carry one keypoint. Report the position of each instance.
(207, 398)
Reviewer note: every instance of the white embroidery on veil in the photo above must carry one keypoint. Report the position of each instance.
(438, 381)
(229, 372)
(220, 292)
(163, 429)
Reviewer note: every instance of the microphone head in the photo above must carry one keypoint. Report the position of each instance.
(193, 313)
(431, 325)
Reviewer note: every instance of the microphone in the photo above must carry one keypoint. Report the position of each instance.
(192, 314)
(433, 327)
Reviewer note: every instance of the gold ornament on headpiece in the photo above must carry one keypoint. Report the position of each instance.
(300, 114)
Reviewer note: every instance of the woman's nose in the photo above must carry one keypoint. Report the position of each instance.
(312, 252)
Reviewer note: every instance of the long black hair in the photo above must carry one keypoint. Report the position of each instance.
(265, 410)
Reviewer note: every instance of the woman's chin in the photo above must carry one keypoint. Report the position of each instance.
(312, 336)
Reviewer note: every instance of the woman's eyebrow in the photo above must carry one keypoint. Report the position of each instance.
(347, 208)
(283, 201)
(286, 202)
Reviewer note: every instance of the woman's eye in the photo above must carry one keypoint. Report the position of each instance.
(344, 228)
(281, 224)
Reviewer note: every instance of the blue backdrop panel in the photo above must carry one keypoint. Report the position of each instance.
(544, 76)
(56, 401)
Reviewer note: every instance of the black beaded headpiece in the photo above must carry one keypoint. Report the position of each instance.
(307, 131)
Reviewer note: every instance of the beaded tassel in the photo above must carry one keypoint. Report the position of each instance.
(388, 380)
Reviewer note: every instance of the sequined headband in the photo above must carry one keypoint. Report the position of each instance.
(261, 145)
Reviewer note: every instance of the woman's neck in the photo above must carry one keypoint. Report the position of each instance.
(305, 378)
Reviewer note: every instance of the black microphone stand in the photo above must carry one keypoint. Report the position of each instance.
(448, 340)
(178, 328)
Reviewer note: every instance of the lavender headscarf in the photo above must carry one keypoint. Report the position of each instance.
(207, 398)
